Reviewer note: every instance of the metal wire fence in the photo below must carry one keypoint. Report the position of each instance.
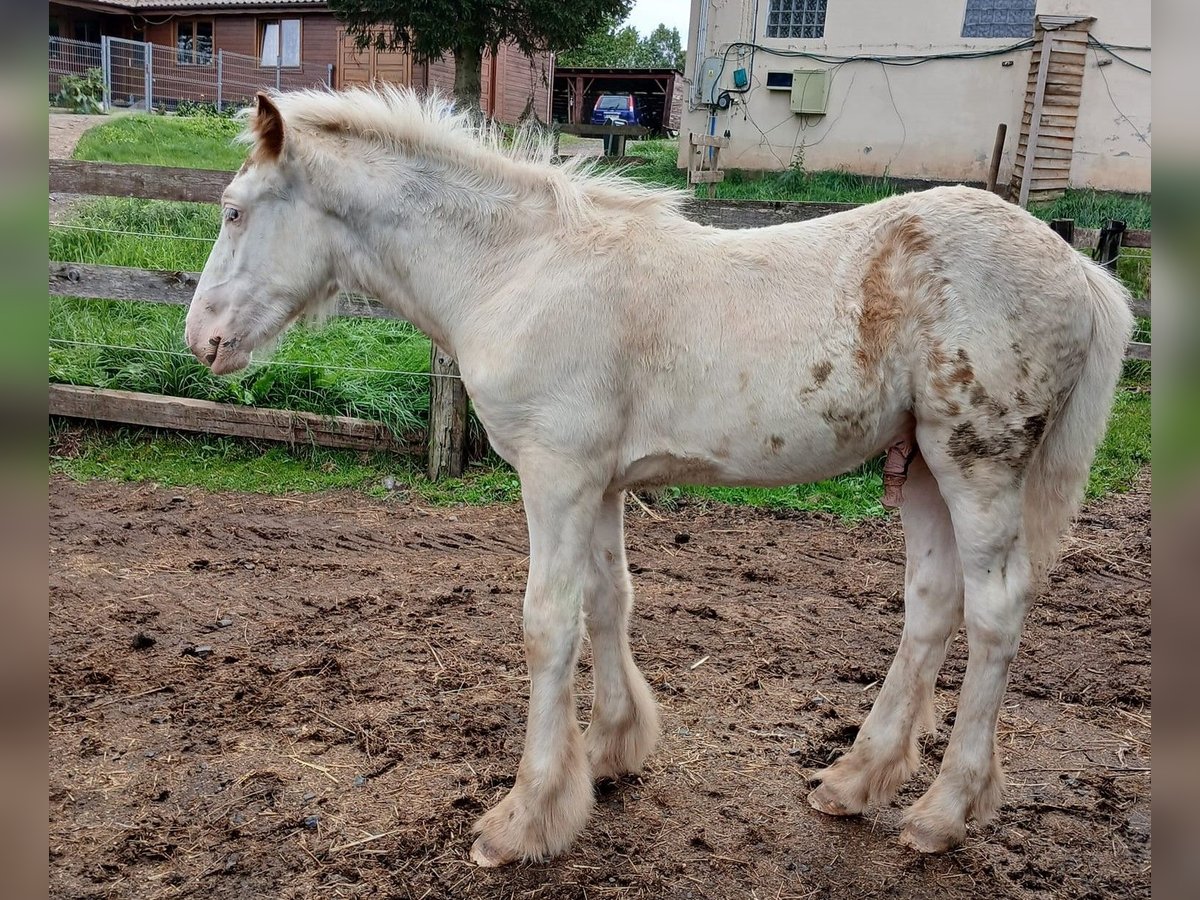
(141, 75)
(70, 57)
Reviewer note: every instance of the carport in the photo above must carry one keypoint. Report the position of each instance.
(576, 90)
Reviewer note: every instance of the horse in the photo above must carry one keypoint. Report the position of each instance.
(610, 344)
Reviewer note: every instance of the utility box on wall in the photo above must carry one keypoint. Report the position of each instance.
(810, 91)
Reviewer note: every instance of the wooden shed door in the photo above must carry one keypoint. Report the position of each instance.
(364, 67)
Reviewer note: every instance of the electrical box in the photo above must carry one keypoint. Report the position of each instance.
(709, 70)
(810, 91)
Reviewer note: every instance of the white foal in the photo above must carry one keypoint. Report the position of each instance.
(608, 343)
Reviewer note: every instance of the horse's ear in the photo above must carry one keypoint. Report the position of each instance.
(268, 127)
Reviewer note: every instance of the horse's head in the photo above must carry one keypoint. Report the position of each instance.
(273, 260)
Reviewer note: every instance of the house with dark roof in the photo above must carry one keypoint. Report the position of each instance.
(265, 43)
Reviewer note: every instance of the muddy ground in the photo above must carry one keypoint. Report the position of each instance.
(316, 697)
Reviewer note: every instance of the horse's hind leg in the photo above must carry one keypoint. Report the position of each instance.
(624, 725)
(985, 498)
(885, 752)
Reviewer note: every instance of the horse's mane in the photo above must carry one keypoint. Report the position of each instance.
(402, 120)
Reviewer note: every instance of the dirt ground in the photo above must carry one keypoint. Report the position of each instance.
(65, 131)
(316, 697)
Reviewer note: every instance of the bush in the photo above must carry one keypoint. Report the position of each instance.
(202, 109)
(82, 93)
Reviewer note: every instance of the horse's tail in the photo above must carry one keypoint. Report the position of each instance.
(1058, 473)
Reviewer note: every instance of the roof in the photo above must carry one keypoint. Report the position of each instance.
(148, 5)
(615, 71)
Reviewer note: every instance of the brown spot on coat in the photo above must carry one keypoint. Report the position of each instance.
(776, 443)
(892, 275)
(821, 371)
(849, 426)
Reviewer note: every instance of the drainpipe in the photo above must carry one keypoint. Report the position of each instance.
(701, 44)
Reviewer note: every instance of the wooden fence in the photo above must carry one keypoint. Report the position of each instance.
(447, 416)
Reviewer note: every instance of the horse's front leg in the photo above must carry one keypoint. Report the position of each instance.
(552, 798)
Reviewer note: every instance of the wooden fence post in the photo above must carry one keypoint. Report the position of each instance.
(1108, 245)
(447, 417)
(1065, 229)
(997, 152)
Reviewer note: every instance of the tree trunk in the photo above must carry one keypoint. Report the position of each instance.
(468, 74)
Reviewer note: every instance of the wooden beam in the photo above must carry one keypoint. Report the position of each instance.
(708, 140)
(1137, 350)
(182, 414)
(756, 213)
(172, 288)
(69, 176)
(585, 130)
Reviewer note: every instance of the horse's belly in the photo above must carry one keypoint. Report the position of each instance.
(791, 453)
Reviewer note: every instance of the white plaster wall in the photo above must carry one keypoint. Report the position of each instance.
(936, 120)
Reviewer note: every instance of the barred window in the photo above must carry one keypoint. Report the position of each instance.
(796, 19)
(999, 18)
(194, 42)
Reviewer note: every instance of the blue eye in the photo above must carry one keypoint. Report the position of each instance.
(232, 214)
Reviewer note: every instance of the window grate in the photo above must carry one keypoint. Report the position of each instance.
(796, 19)
(999, 18)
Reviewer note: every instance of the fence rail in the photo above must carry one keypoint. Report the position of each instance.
(66, 279)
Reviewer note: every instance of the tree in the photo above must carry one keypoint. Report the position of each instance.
(430, 29)
(666, 47)
(614, 46)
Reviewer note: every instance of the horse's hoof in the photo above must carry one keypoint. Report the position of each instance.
(926, 839)
(823, 799)
(485, 856)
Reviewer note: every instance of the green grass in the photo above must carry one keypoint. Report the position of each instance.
(194, 142)
(302, 373)
(229, 464)
(345, 369)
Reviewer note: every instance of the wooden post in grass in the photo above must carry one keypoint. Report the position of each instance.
(997, 152)
(447, 417)
(1065, 229)
(1108, 245)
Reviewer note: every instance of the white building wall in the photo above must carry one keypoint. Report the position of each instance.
(936, 120)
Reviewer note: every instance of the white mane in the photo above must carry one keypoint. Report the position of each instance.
(400, 120)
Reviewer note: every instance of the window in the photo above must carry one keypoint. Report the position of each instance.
(194, 43)
(999, 18)
(796, 19)
(280, 42)
(87, 31)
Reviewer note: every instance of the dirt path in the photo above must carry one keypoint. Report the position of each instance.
(65, 131)
(354, 698)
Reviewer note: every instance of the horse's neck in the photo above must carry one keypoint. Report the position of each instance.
(433, 272)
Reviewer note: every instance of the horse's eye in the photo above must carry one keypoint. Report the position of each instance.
(232, 214)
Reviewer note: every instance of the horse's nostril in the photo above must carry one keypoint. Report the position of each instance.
(210, 355)
(214, 341)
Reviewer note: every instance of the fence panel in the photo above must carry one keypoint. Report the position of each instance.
(143, 76)
(70, 57)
